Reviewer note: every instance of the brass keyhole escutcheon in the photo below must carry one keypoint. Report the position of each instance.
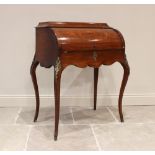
(94, 55)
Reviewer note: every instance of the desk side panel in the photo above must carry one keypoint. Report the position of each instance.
(46, 47)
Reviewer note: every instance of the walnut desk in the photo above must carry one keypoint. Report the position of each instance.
(60, 44)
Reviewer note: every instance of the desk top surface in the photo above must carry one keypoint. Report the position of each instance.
(72, 25)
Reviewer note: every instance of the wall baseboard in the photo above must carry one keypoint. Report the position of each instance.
(103, 100)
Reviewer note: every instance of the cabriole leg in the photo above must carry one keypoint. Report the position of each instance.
(124, 82)
(96, 70)
(35, 85)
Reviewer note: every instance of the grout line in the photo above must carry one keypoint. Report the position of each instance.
(97, 143)
(104, 124)
(114, 117)
(72, 115)
(20, 109)
(28, 135)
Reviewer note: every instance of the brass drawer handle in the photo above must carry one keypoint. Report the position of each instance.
(94, 55)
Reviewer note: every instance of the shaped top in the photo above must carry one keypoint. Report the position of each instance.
(72, 25)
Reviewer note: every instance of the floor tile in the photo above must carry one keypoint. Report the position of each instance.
(71, 137)
(46, 116)
(126, 136)
(8, 115)
(136, 114)
(84, 115)
(13, 137)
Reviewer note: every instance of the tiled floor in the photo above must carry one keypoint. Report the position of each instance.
(81, 128)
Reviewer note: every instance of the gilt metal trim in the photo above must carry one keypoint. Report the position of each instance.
(57, 66)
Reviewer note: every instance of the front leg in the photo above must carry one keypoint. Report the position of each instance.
(35, 85)
(57, 80)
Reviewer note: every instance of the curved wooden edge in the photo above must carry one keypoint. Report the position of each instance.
(84, 65)
(126, 74)
(35, 85)
(121, 37)
(72, 25)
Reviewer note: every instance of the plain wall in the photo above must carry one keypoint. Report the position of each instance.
(17, 47)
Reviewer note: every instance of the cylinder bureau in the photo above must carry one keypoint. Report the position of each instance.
(81, 44)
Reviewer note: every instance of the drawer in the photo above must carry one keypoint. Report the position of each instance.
(90, 58)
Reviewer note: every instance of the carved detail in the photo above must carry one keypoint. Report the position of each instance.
(57, 66)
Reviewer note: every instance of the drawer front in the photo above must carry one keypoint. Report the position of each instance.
(91, 58)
